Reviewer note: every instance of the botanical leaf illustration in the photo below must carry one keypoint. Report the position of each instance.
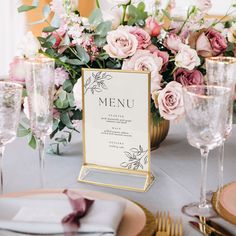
(96, 82)
(137, 158)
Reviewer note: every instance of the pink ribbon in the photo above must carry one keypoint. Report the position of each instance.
(80, 206)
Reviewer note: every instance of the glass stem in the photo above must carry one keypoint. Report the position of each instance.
(204, 157)
(41, 144)
(221, 165)
(2, 148)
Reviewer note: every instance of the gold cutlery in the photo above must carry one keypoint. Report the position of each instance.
(166, 226)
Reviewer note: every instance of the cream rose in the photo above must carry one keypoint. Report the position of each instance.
(144, 60)
(113, 15)
(232, 33)
(187, 58)
(120, 44)
(170, 101)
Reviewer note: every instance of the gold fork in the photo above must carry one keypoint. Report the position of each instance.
(176, 227)
(163, 223)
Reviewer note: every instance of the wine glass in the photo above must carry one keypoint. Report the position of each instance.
(39, 72)
(221, 71)
(10, 105)
(205, 114)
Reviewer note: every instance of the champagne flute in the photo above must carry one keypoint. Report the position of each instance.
(40, 89)
(221, 72)
(205, 114)
(10, 104)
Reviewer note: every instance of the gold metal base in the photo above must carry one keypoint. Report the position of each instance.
(139, 181)
(158, 132)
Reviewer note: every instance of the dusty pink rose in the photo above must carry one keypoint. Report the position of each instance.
(16, 71)
(120, 44)
(60, 76)
(170, 101)
(173, 42)
(188, 77)
(144, 60)
(144, 39)
(217, 41)
(152, 26)
(164, 55)
(208, 42)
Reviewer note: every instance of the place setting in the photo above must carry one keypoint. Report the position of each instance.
(115, 83)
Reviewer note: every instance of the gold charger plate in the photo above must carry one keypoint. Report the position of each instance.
(224, 213)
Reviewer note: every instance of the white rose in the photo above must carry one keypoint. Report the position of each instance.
(119, 2)
(232, 33)
(187, 58)
(113, 15)
(77, 91)
(144, 60)
(30, 45)
(120, 44)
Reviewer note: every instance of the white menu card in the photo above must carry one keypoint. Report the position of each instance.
(116, 128)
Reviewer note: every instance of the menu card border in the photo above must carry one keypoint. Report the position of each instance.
(86, 165)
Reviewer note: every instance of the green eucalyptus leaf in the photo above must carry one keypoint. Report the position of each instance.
(46, 11)
(55, 22)
(96, 17)
(141, 6)
(103, 28)
(62, 95)
(25, 8)
(22, 131)
(71, 99)
(67, 86)
(32, 142)
(49, 29)
(82, 54)
(100, 41)
(65, 119)
(75, 62)
(60, 104)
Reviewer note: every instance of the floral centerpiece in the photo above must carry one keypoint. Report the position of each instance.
(126, 37)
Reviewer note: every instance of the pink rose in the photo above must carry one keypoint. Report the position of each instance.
(188, 77)
(60, 76)
(162, 54)
(16, 71)
(208, 42)
(144, 39)
(120, 44)
(170, 101)
(173, 42)
(143, 60)
(217, 41)
(152, 26)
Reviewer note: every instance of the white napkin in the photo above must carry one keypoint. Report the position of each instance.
(44, 215)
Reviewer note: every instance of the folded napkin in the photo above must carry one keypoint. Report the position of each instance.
(44, 216)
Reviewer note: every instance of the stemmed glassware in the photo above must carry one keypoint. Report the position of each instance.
(206, 110)
(10, 104)
(40, 89)
(221, 71)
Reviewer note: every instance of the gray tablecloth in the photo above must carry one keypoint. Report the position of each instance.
(176, 166)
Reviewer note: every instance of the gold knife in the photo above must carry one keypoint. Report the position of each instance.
(206, 229)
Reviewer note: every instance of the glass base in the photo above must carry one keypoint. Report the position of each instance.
(193, 209)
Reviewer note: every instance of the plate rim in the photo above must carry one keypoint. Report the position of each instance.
(223, 212)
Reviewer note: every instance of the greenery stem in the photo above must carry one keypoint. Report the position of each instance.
(124, 14)
(98, 4)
